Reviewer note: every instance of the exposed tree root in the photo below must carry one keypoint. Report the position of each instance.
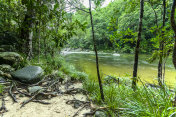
(11, 94)
(29, 100)
(75, 91)
(23, 93)
(41, 102)
(3, 108)
(85, 105)
(50, 88)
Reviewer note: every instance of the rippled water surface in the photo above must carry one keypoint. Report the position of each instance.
(121, 65)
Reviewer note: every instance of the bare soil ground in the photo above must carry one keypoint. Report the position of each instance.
(62, 105)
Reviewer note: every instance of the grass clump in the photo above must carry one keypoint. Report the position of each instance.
(121, 100)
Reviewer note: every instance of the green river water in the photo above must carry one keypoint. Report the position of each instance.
(120, 65)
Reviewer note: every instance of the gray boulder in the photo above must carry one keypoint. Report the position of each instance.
(29, 74)
(10, 58)
(34, 89)
(100, 114)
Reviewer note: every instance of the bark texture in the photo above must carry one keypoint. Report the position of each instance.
(136, 57)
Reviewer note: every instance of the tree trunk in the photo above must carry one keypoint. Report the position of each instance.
(160, 64)
(95, 49)
(39, 43)
(27, 29)
(174, 29)
(135, 67)
(30, 42)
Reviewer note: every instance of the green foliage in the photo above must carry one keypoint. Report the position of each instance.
(116, 27)
(146, 101)
(1, 89)
(60, 74)
(60, 65)
(72, 72)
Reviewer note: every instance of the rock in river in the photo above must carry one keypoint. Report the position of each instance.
(29, 74)
(10, 58)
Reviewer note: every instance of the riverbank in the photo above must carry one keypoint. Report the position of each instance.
(59, 93)
(120, 99)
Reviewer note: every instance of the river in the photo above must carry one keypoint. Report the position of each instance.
(121, 65)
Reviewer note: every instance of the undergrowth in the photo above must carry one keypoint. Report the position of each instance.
(121, 100)
(60, 65)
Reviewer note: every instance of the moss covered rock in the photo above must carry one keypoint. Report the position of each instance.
(10, 58)
(6, 68)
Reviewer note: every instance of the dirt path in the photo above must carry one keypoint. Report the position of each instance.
(57, 108)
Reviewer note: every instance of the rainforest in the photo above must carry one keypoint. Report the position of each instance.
(88, 58)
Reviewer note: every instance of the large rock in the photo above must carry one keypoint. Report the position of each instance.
(29, 74)
(10, 58)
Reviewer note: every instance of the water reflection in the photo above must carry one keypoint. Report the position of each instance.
(121, 65)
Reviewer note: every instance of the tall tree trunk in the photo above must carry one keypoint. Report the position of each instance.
(174, 29)
(160, 64)
(136, 57)
(27, 29)
(95, 49)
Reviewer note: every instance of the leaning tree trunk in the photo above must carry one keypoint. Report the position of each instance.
(174, 29)
(136, 57)
(95, 49)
